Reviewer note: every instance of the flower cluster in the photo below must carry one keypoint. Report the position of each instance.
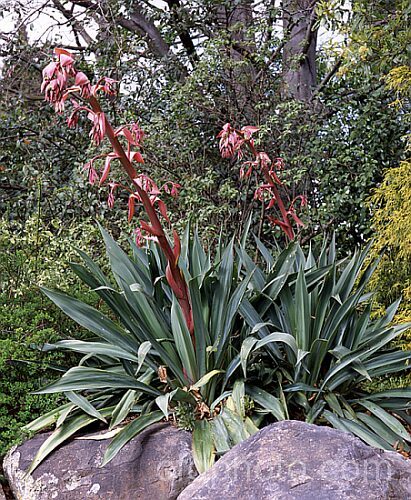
(150, 187)
(62, 83)
(56, 76)
(235, 142)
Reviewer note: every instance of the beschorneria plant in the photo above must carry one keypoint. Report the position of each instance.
(63, 83)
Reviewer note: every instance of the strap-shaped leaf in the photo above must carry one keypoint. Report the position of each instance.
(250, 426)
(376, 425)
(277, 337)
(267, 401)
(82, 378)
(164, 400)
(222, 291)
(234, 425)
(203, 446)
(246, 348)
(303, 312)
(60, 435)
(318, 352)
(390, 394)
(123, 268)
(360, 430)
(315, 411)
(334, 377)
(257, 276)
(199, 261)
(93, 348)
(202, 336)
(143, 350)
(183, 342)
(238, 396)
(64, 414)
(252, 318)
(265, 252)
(231, 313)
(115, 300)
(206, 378)
(300, 387)
(47, 419)
(389, 420)
(129, 432)
(85, 405)
(94, 268)
(283, 267)
(232, 367)
(122, 408)
(221, 437)
(93, 320)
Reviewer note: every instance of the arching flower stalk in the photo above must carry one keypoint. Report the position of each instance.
(234, 142)
(62, 83)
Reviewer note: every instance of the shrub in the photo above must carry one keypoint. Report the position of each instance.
(391, 203)
(24, 322)
(331, 346)
(182, 324)
(37, 253)
(29, 254)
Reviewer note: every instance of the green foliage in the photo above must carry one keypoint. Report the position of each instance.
(334, 154)
(391, 204)
(380, 35)
(185, 415)
(25, 322)
(399, 80)
(380, 39)
(298, 328)
(336, 148)
(322, 317)
(30, 254)
(35, 253)
(40, 164)
(41, 159)
(147, 358)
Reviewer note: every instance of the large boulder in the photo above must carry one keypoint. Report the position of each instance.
(295, 460)
(157, 464)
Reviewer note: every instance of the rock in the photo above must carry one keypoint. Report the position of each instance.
(295, 460)
(2, 495)
(157, 464)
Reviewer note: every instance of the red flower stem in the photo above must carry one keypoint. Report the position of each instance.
(281, 206)
(179, 285)
(290, 231)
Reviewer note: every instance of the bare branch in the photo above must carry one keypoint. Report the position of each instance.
(75, 24)
(138, 23)
(274, 54)
(12, 187)
(25, 96)
(328, 76)
(310, 32)
(183, 34)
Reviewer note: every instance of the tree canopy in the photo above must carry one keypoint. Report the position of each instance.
(309, 73)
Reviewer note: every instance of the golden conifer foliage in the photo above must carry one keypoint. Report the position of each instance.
(392, 224)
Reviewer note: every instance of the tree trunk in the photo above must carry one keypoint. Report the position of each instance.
(299, 55)
(236, 18)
